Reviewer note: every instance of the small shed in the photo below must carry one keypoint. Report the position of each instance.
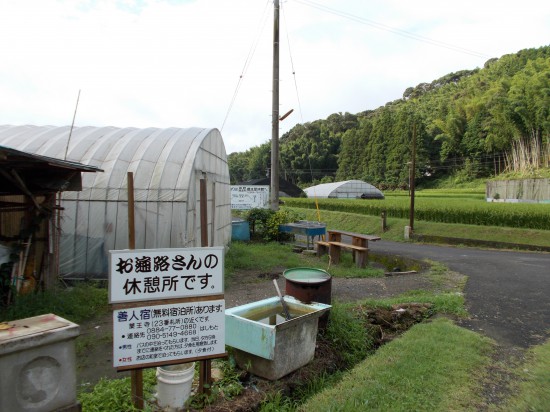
(168, 166)
(29, 214)
(286, 188)
(349, 189)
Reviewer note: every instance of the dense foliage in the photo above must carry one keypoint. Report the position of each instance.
(470, 123)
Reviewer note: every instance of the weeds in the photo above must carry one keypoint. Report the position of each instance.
(228, 386)
(83, 301)
(115, 394)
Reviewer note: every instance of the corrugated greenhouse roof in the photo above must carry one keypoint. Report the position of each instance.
(150, 153)
(344, 189)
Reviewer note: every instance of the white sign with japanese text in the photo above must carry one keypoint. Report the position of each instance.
(151, 274)
(249, 197)
(171, 332)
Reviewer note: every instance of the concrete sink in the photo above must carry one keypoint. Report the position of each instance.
(265, 343)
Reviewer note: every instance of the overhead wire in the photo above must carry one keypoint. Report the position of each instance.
(248, 60)
(381, 26)
(292, 66)
(483, 160)
(300, 110)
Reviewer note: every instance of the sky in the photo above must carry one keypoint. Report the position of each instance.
(208, 63)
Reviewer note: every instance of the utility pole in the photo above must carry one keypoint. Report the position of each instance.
(412, 173)
(275, 114)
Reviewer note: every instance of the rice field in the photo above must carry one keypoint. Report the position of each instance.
(440, 206)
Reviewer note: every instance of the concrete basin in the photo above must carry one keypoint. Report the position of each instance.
(265, 343)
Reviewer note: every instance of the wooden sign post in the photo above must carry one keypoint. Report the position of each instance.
(168, 307)
(136, 375)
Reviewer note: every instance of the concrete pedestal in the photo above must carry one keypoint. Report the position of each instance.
(37, 360)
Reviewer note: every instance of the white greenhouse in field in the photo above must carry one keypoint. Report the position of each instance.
(167, 165)
(349, 189)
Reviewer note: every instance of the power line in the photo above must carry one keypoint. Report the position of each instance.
(390, 29)
(248, 59)
(292, 67)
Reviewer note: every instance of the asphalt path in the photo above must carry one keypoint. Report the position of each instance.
(507, 293)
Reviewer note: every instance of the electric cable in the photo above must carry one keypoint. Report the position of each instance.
(248, 60)
(390, 29)
(292, 66)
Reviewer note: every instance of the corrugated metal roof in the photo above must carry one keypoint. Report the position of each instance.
(24, 159)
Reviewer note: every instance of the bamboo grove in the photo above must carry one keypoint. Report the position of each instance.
(473, 123)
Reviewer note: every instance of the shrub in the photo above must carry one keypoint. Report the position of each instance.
(265, 222)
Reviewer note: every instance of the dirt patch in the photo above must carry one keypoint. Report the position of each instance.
(500, 378)
(385, 325)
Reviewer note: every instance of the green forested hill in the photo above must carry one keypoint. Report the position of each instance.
(472, 123)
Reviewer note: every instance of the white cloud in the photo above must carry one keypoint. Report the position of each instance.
(176, 63)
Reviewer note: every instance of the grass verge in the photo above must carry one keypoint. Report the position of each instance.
(373, 225)
(429, 368)
(532, 392)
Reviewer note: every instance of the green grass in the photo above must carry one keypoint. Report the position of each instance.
(373, 225)
(83, 301)
(259, 256)
(115, 394)
(273, 256)
(533, 392)
(347, 334)
(429, 368)
(446, 303)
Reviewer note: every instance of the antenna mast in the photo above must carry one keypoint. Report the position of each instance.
(72, 125)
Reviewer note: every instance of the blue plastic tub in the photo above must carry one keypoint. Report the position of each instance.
(240, 229)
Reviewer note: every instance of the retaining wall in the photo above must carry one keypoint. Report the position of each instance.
(521, 190)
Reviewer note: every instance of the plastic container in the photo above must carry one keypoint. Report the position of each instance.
(240, 229)
(174, 383)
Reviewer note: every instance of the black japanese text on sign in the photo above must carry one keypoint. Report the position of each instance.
(151, 274)
(172, 332)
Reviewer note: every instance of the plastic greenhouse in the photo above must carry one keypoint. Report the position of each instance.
(167, 165)
(349, 189)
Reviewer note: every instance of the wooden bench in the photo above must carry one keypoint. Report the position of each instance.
(360, 253)
(322, 247)
(334, 245)
(357, 239)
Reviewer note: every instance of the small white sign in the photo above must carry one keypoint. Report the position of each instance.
(173, 332)
(249, 197)
(151, 274)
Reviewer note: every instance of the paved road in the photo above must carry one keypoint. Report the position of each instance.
(507, 293)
